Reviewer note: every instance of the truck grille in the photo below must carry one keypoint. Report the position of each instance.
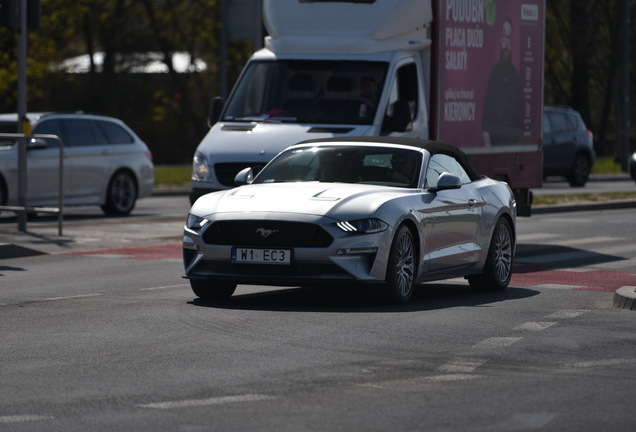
(225, 172)
(267, 234)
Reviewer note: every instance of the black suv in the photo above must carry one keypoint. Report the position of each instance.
(568, 149)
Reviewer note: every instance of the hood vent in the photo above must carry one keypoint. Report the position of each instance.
(333, 130)
(237, 128)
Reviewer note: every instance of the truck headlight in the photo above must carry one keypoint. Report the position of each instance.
(200, 167)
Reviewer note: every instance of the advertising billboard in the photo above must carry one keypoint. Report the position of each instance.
(490, 73)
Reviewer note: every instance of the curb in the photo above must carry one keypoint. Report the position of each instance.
(625, 298)
(603, 205)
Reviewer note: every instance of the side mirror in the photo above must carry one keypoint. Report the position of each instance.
(244, 176)
(214, 112)
(37, 144)
(447, 181)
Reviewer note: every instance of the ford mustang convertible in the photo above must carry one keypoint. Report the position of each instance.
(386, 212)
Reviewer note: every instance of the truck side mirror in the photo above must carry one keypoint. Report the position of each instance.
(214, 113)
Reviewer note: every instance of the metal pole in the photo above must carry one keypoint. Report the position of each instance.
(22, 109)
(624, 88)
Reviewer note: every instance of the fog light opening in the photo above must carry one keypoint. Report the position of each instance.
(358, 251)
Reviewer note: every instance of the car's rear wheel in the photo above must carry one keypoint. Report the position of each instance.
(401, 268)
(212, 290)
(121, 194)
(580, 171)
(498, 268)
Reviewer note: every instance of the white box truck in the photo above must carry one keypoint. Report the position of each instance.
(467, 72)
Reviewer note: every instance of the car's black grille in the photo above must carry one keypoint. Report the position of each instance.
(260, 233)
(226, 172)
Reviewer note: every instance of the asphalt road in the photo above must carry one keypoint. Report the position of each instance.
(102, 333)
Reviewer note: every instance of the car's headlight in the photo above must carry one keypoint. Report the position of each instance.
(200, 167)
(196, 223)
(363, 226)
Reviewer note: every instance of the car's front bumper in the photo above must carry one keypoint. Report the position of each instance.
(347, 259)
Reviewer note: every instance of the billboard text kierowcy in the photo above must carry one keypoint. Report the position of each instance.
(490, 72)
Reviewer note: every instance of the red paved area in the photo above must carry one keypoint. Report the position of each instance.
(593, 280)
(157, 252)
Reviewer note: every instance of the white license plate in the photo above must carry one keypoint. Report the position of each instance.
(261, 256)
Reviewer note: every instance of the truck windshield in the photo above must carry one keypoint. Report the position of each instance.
(308, 91)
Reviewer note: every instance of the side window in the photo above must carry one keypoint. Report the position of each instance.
(53, 127)
(441, 163)
(559, 122)
(547, 127)
(78, 133)
(402, 104)
(114, 134)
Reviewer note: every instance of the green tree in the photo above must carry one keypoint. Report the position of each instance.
(582, 62)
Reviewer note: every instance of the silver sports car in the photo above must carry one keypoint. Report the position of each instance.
(388, 212)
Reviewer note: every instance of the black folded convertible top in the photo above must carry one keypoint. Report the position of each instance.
(433, 147)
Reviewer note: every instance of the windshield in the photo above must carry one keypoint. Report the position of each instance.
(308, 91)
(345, 164)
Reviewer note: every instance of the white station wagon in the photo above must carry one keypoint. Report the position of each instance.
(105, 162)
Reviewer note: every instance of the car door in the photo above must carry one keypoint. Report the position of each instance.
(559, 141)
(43, 165)
(452, 217)
(89, 158)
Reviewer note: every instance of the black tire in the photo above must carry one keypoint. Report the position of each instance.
(580, 172)
(3, 192)
(401, 268)
(498, 268)
(121, 194)
(212, 290)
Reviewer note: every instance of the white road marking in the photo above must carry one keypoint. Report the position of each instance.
(567, 314)
(534, 326)
(527, 238)
(70, 297)
(602, 363)
(188, 403)
(420, 380)
(164, 287)
(461, 365)
(557, 286)
(496, 342)
(523, 421)
(23, 418)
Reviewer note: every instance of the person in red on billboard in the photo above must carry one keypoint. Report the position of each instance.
(500, 123)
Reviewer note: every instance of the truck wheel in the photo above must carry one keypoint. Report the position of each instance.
(401, 268)
(498, 268)
(580, 171)
(207, 290)
(121, 194)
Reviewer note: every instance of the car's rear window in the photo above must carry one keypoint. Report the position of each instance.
(114, 133)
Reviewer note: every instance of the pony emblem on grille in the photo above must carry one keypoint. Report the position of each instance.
(264, 232)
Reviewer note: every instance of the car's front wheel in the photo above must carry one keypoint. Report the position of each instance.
(580, 171)
(121, 194)
(401, 268)
(212, 290)
(498, 268)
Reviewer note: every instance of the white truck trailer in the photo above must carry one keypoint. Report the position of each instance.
(468, 72)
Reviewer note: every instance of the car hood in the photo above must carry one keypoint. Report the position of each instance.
(336, 200)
